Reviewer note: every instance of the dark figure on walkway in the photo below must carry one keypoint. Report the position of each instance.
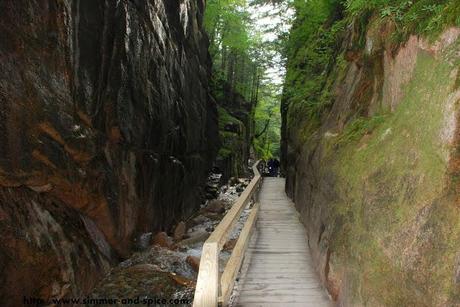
(263, 168)
(276, 166)
(270, 167)
(273, 166)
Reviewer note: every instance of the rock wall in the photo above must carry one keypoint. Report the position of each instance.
(376, 182)
(236, 121)
(107, 130)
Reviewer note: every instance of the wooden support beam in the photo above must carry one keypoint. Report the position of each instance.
(207, 288)
(233, 266)
(220, 234)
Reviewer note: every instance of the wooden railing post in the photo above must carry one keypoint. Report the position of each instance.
(207, 287)
(236, 258)
(208, 283)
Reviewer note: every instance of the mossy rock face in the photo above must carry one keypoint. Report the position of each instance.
(233, 143)
(376, 183)
(235, 122)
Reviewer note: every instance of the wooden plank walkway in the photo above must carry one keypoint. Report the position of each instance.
(278, 269)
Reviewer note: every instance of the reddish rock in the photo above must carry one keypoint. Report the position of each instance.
(183, 281)
(115, 135)
(85, 133)
(41, 189)
(163, 240)
(230, 245)
(194, 262)
(179, 231)
(18, 280)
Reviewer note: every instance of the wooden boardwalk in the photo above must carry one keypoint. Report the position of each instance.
(278, 270)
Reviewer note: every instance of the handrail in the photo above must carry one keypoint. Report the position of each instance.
(207, 286)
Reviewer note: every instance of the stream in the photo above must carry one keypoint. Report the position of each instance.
(166, 265)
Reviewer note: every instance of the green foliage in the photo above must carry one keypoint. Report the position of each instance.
(311, 51)
(227, 23)
(358, 7)
(315, 51)
(383, 193)
(230, 141)
(360, 127)
(378, 180)
(241, 58)
(267, 124)
(225, 118)
(427, 17)
(229, 26)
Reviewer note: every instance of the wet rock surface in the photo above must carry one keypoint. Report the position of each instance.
(142, 282)
(107, 131)
(179, 231)
(194, 262)
(171, 271)
(212, 185)
(162, 239)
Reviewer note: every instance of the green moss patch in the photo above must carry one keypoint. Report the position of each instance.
(397, 240)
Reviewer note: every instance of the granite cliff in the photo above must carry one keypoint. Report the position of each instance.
(374, 171)
(236, 125)
(107, 131)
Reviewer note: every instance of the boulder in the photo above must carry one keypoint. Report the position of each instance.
(194, 262)
(163, 240)
(212, 187)
(240, 188)
(183, 281)
(139, 280)
(212, 190)
(195, 237)
(215, 206)
(233, 181)
(179, 231)
(212, 215)
(142, 242)
(200, 219)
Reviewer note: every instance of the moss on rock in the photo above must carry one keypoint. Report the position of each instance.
(373, 181)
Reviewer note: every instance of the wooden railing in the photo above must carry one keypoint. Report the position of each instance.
(209, 290)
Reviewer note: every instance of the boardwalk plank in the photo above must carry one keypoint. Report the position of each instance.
(278, 269)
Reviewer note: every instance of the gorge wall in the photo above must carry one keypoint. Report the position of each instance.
(107, 130)
(375, 175)
(236, 121)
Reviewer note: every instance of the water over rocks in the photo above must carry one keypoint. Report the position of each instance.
(168, 267)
